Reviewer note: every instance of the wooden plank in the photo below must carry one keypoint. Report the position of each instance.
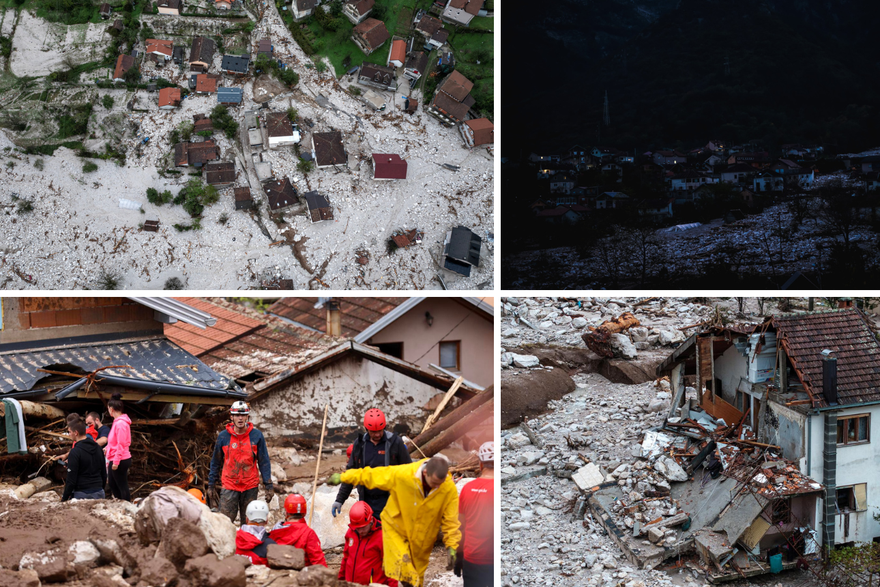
(433, 417)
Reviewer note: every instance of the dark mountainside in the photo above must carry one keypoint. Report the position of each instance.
(799, 71)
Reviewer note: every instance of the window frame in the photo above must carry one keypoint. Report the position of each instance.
(843, 423)
(457, 344)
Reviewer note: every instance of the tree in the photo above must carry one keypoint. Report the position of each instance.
(304, 166)
(292, 114)
(107, 101)
(647, 253)
(132, 75)
(222, 120)
(854, 566)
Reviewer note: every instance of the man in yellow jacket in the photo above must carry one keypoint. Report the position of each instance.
(423, 499)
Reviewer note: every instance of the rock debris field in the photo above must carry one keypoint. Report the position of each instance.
(592, 428)
(77, 229)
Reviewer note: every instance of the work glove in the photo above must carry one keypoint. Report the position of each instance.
(335, 479)
(459, 564)
(450, 561)
(270, 491)
(335, 508)
(213, 497)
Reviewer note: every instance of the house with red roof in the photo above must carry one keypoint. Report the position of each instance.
(169, 98)
(478, 132)
(388, 167)
(159, 51)
(370, 35)
(397, 56)
(123, 64)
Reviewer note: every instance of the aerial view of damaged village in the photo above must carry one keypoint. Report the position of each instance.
(229, 144)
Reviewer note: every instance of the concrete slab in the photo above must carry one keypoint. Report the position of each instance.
(588, 477)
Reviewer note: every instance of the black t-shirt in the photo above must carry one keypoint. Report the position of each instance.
(103, 431)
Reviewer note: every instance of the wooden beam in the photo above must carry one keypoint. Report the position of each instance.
(455, 385)
(459, 429)
(134, 396)
(454, 416)
(35, 410)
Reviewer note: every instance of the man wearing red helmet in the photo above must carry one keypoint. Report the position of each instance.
(363, 554)
(376, 448)
(296, 532)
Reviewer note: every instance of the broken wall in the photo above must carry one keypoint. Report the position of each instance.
(786, 429)
(351, 386)
(732, 368)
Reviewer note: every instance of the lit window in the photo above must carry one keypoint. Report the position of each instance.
(449, 355)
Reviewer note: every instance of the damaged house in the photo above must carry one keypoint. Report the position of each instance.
(804, 384)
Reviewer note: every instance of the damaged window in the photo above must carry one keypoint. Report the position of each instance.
(852, 498)
(853, 430)
(780, 511)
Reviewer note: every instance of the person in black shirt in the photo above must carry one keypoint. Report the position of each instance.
(86, 469)
(376, 448)
(93, 419)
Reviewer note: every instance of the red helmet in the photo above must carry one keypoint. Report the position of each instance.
(360, 515)
(295, 504)
(374, 420)
(348, 451)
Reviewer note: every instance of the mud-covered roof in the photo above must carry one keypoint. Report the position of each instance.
(356, 314)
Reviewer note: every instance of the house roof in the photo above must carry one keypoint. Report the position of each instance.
(464, 245)
(202, 50)
(235, 63)
(201, 122)
(195, 153)
(169, 97)
(472, 7)
(175, 4)
(447, 104)
(398, 50)
(305, 4)
(281, 193)
(231, 324)
(484, 307)
(242, 195)
(220, 173)
(319, 207)
(329, 149)
(847, 333)
(440, 36)
(429, 25)
(356, 313)
(152, 358)
(739, 168)
(229, 95)
(206, 82)
(457, 86)
(361, 7)
(388, 166)
(378, 73)
(417, 61)
(278, 124)
(123, 64)
(159, 46)
(105, 8)
(264, 46)
(373, 32)
(117, 24)
(483, 129)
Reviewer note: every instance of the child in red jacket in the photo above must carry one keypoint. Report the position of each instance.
(296, 532)
(363, 554)
(253, 539)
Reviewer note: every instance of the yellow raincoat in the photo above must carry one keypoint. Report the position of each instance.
(411, 519)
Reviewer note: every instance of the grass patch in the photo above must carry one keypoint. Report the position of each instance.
(50, 149)
(475, 59)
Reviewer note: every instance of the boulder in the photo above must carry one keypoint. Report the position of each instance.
(670, 469)
(183, 540)
(51, 566)
(526, 393)
(331, 530)
(657, 405)
(622, 346)
(525, 361)
(210, 571)
(639, 333)
(158, 572)
(285, 556)
(667, 337)
(578, 323)
(83, 552)
(316, 576)
(23, 578)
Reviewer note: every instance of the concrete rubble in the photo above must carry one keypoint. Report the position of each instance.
(590, 469)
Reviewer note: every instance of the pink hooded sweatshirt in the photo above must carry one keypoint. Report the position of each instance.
(119, 440)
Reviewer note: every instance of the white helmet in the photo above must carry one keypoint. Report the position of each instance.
(257, 511)
(240, 407)
(486, 452)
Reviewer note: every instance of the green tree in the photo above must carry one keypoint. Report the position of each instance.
(107, 101)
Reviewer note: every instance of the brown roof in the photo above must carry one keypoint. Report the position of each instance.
(281, 193)
(361, 6)
(123, 64)
(378, 73)
(406, 239)
(202, 123)
(429, 25)
(278, 124)
(483, 129)
(105, 8)
(169, 4)
(445, 103)
(329, 149)
(159, 46)
(169, 97)
(202, 50)
(457, 86)
(242, 194)
(848, 334)
(373, 32)
(418, 61)
(231, 325)
(195, 153)
(206, 82)
(356, 314)
(264, 46)
(470, 6)
(117, 24)
(319, 207)
(220, 173)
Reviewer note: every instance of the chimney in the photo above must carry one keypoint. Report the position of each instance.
(829, 378)
(844, 303)
(334, 322)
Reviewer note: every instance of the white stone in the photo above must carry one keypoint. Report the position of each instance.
(670, 469)
(622, 346)
(525, 361)
(578, 323)
(517, 526)
(331, 530)
(83, 552)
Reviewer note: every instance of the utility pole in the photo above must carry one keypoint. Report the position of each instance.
(605, 116)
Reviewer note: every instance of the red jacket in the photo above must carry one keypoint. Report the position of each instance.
(362, 558)
(297, 533)
(253, 542)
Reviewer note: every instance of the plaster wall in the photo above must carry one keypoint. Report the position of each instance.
(350, 386)
(733, 370)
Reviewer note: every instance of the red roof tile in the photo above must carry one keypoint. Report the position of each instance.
(231, 324)
(356, 313)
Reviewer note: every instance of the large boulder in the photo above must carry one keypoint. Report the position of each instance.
(526, 393)
(23, 578)
(285, 556)
(623, 346)
(51, 566)
(158, 572)
(210, 571)
(181, 541)
(316, 576)
(330, 530)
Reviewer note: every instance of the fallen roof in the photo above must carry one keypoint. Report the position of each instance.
(319, 206)
(356, 313)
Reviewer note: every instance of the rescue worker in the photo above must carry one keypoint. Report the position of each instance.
(196, 493)
(294, 531)
(252, 539)
(475, 559)
(242, 454)
(363, 553)
(86, 470)
(422, 500)
(375, 448)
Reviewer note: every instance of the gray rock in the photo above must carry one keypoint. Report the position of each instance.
(579, 322)
(285, 556)
(508, 332)
(517, 526)
(639, 333)
(525, 361)
(667, 467)
(622, 346)
(657, 405)
(513, 301)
